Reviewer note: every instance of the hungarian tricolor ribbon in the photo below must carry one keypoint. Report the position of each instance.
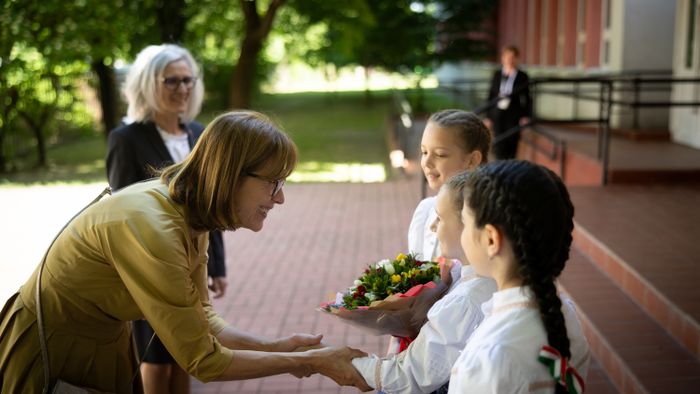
(561, 371)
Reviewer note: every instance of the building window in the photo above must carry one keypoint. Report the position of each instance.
(690, 41)
(607, 8)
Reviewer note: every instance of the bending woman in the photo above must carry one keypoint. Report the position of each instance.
(142, 254)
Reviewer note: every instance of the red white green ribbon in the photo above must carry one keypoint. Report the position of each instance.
(562, 373)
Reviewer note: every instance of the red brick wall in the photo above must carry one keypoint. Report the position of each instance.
(594, 12)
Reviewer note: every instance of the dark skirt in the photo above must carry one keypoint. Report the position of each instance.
(157, 353)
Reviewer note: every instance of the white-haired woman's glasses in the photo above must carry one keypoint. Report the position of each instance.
(173, 83)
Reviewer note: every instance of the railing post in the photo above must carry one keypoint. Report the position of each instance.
(601, 117)
(577, 91)
(636, 82)
(562, 160)
(606, 131)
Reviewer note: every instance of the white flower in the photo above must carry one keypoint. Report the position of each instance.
(387, 265)
(390, 269)
(370, 296)
(382, 263)
(357, 282)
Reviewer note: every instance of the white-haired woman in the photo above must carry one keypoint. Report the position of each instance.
(164, 94)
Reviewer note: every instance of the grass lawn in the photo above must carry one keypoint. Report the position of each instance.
(340, 136)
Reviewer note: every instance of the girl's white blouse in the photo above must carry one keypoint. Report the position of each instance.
(425, 365)
(421, 240)
(501, 355)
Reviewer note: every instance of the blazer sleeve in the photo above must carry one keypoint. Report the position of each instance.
(216, 265)
(122, 163)
(525, 96)
(493, 93)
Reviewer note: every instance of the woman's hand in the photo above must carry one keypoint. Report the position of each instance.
(218, 286)
(336, 363)
(297, 343)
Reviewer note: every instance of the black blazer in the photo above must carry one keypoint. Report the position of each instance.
(134, 151)
(520, 101)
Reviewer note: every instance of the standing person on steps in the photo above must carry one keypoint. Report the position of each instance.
(510, 86)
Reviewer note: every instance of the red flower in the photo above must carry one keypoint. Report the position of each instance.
(361, 290)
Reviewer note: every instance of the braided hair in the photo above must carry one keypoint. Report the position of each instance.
(531, 206)
(472, 133)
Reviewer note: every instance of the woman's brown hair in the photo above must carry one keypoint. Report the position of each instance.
(233, 145)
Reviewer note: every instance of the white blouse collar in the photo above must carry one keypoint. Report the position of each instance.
(512, 298)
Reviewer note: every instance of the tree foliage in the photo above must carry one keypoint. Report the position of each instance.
(50, 49)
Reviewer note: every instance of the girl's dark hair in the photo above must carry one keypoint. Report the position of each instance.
(472, 132)
(531, 206)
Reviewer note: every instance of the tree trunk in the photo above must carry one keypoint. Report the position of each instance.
(11, 103)
(108, 94)
(37, 128)
(368, 92)
(257, 29)
(242, 79)
(171, 20)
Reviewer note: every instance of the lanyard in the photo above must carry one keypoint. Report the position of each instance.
(507, 84)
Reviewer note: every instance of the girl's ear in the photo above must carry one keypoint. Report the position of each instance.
(475, 159)
(493, 240)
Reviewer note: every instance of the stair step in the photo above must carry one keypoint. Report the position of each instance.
(637, 354)
(676, 321)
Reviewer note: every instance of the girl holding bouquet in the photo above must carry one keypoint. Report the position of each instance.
(453, 141)
(518, 220)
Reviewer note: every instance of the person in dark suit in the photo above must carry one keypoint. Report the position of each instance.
(514, 106)
(163, 96)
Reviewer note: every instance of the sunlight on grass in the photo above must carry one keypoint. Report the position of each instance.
(315, 171)
(299, 77)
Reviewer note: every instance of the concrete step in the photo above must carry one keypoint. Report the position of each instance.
(633, 350)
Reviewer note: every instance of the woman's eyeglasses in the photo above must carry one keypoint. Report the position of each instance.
(173, 83)
(276, 184)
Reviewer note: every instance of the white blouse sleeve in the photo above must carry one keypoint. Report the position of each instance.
(580, 351)
(425, 365)
(416, 229)
(490, 371)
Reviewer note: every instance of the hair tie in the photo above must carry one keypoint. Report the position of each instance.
(561, 371)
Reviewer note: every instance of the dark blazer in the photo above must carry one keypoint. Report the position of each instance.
(134, 151)
(520, 101)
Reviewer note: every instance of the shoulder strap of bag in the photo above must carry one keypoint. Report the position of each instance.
(39, 312)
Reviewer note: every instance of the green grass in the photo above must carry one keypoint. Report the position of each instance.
(327, 128)
(78, 161)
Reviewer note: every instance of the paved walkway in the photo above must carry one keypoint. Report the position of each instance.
(315, 244)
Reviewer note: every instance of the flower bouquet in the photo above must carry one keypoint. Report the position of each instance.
(391, 297)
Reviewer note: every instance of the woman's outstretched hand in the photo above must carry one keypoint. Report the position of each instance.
(297, 343)
(336, 363)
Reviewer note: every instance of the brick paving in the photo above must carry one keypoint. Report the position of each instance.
(313, 245)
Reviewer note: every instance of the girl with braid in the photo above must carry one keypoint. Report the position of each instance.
(518, 220)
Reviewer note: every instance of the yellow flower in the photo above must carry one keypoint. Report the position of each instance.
(395, 278)
(401, 257)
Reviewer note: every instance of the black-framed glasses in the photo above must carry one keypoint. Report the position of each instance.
(276, 184)
(173, 83)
